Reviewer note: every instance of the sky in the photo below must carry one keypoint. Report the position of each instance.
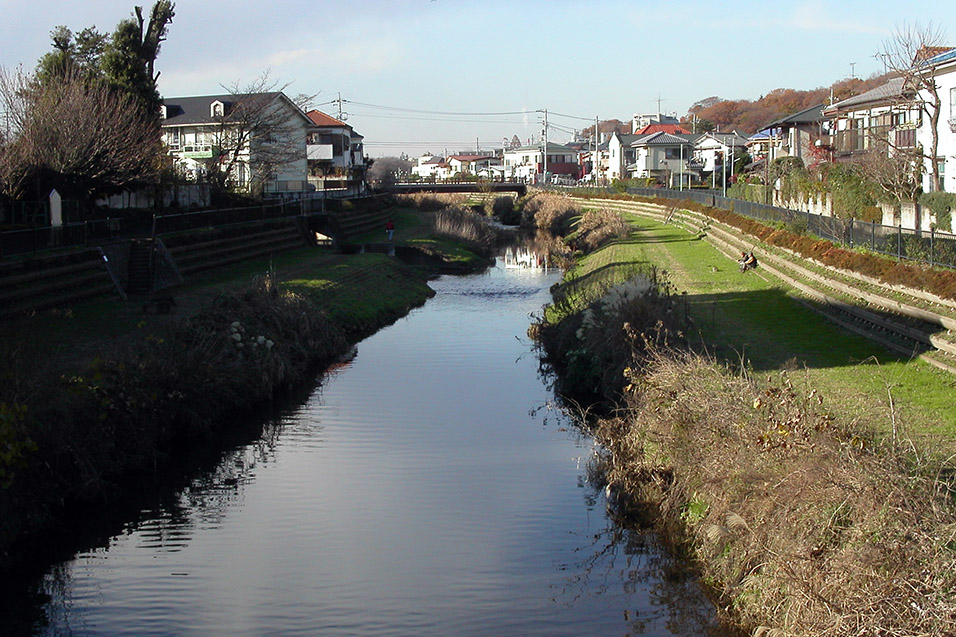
(449, 76)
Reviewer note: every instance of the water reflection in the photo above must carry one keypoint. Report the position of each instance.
(428, 487)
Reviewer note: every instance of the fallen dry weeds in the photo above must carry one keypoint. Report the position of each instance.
(802, 521)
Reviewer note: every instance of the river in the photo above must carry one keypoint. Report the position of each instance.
(426, 487)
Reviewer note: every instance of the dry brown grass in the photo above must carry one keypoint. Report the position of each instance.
(550, 212)
(596, 227)
(430, 201)
(462, 224)
(799, 520)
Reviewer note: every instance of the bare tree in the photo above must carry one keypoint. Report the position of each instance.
(79, 137)
(256, 130)
(896, 170)
(907, 54)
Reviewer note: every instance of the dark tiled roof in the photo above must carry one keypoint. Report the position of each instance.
(663, 139)
(806, 116)
(182, 111)
(890, 92)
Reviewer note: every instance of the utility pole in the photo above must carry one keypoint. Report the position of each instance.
(545, 176)
(340, 104)
(594, 158)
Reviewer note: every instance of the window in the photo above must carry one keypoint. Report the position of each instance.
(952, 102)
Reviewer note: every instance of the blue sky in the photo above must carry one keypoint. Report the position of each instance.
(416, 72)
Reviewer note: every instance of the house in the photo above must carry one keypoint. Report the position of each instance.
(639, 121)
(761, 144)
(943, 67)
(797, 134)
(427, 166)
(663, 157)
(336, 158)
(885, 117)
(620, 155)
(252, 142)
(715, 151)
(527, 163)
(471, 164)
(673, 129)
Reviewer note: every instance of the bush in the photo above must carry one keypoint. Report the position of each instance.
(941, 204)
(503, 209)
(550, 212)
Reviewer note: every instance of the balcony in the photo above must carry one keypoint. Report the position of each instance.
(319, 152)
(198, 151)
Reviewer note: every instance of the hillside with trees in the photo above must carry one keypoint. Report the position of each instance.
(750, 116)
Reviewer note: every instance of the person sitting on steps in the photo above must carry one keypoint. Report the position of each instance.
(747, 261)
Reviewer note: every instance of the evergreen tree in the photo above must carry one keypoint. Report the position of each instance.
(129, 61)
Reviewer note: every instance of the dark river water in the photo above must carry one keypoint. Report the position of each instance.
(426, 487)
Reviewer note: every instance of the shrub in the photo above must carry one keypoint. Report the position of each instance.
(941, 204)
(550, 212)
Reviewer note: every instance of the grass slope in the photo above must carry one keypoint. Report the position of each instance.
(753, 317)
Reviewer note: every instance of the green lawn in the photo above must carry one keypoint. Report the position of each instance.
(753, 317)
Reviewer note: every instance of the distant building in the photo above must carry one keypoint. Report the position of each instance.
(526, 163)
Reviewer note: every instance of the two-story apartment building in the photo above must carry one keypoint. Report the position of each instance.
(247, 142)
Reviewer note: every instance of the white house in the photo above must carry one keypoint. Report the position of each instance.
(620, 155)
(471, 164)
(427, 166)
(262, 136)
(886, 116)
(713, 149)
(944, 73)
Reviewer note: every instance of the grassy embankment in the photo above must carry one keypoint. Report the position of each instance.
(95, 392)
(803, 468)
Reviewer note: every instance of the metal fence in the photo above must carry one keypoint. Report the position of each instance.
(169, 223)
(926, 246)
(41, 239)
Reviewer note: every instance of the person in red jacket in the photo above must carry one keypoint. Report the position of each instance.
(389, 229)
